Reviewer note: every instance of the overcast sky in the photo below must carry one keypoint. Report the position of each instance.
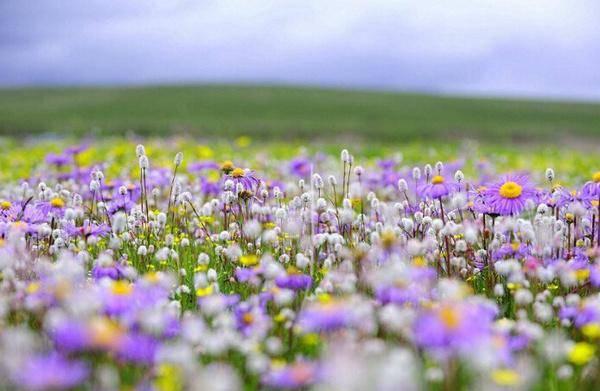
(494, 47)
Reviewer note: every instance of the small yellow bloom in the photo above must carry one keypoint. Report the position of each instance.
(591, 330)
(419, 261)
(249, 259)
(569, 217)
(279, 318)
(151, 277)
(201, 292)
(582, 274)
(227, 166)
(324, 298)
(5, 205)
(506, 377)
(596, 177)
(581, 353)
(311, 339)
(169, 378)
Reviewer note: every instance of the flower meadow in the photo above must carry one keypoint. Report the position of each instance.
(261, 267)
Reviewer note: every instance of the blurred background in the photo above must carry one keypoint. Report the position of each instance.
(524, 71)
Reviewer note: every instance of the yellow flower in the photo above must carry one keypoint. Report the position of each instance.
(201, 268)
(311, 339)
(249, 259)
(419, 261)
(168, 378)
(227, 166)
(596, 177)
(5, 205)
(591, 330)
(581, 353)
(506, 377)
(201, 292)
(582, 274)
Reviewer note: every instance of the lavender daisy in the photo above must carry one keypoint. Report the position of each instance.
(509, 195)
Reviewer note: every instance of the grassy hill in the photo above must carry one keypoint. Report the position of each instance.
(287, 112)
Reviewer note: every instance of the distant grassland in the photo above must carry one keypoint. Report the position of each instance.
(280, 113)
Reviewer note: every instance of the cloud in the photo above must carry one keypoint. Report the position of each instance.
(537, 47)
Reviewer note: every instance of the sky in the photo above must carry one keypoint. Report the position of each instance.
(538, 48)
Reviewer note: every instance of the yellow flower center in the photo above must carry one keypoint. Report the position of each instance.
(227, 165)
(511, 190)
(57, 202)
(33, 287)
(238, 172)
(249, 260)
(248, 318)
(5, 205)
(121, 288)
(436, 180)
(104, 332)
(449, 317)
(419, 261)
(596, 177)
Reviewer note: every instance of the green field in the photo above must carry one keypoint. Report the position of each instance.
(286, 113)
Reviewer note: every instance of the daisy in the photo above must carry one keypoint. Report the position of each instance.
(509, 195)
(437, 188)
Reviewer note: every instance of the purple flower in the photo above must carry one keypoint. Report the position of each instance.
(201, 166)
(591, 189)
(328, 316)
(51, 372)
(87, 229)
(509, 195)
(454, 326)
(59, 160)
(70, 335)
(298, 375)
(121, 202)
(251, 320)
(246, 178)
(438, 187)
(300, 167)
(138, 348)
(294, 280)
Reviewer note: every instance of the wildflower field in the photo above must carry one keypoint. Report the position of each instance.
(183, 263)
